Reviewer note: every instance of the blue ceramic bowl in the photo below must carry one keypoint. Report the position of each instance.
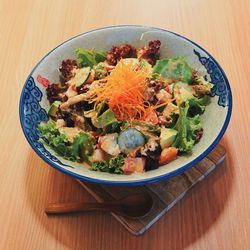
(34, 104)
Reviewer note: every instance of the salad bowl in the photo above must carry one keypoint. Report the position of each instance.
(34, 104)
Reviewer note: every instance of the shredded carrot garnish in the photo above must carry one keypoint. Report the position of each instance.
(164, 103)
(124, 91)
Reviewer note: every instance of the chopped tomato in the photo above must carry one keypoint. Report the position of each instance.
(168, 154)
(110, 67)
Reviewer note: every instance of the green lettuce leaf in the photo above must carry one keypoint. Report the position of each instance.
(201, 86)
(113, 165)
(187, 128)
(197, 105)
(48, 130)
(100, 56)
(90, 58)
(56, 140)
(100, 70)
(82, 146)
(175, 68)
(79, 150)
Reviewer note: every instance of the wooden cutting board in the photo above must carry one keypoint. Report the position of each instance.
(165, 193)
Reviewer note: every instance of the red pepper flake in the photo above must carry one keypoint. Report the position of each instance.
(110, 67)
(44, 81)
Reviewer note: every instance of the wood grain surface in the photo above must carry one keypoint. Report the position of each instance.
(215, 215)
(165, 194)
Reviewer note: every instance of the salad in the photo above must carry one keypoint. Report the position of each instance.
(125, 110)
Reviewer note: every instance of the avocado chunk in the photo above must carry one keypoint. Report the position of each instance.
(167, 137)
(54, 108)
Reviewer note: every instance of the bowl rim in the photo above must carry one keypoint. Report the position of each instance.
(150, 179)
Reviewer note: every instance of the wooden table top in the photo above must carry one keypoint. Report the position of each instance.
(214, 215)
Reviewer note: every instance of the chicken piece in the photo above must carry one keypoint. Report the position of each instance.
(71, 91)
(73, 100)
(133, 165)
(60, 123)
(163, 95)
(108, 143)
(82, 97)
(170, 109)
(151, 145)
(98, 155)
(151, 117)
(70, 132)
(167, 115)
